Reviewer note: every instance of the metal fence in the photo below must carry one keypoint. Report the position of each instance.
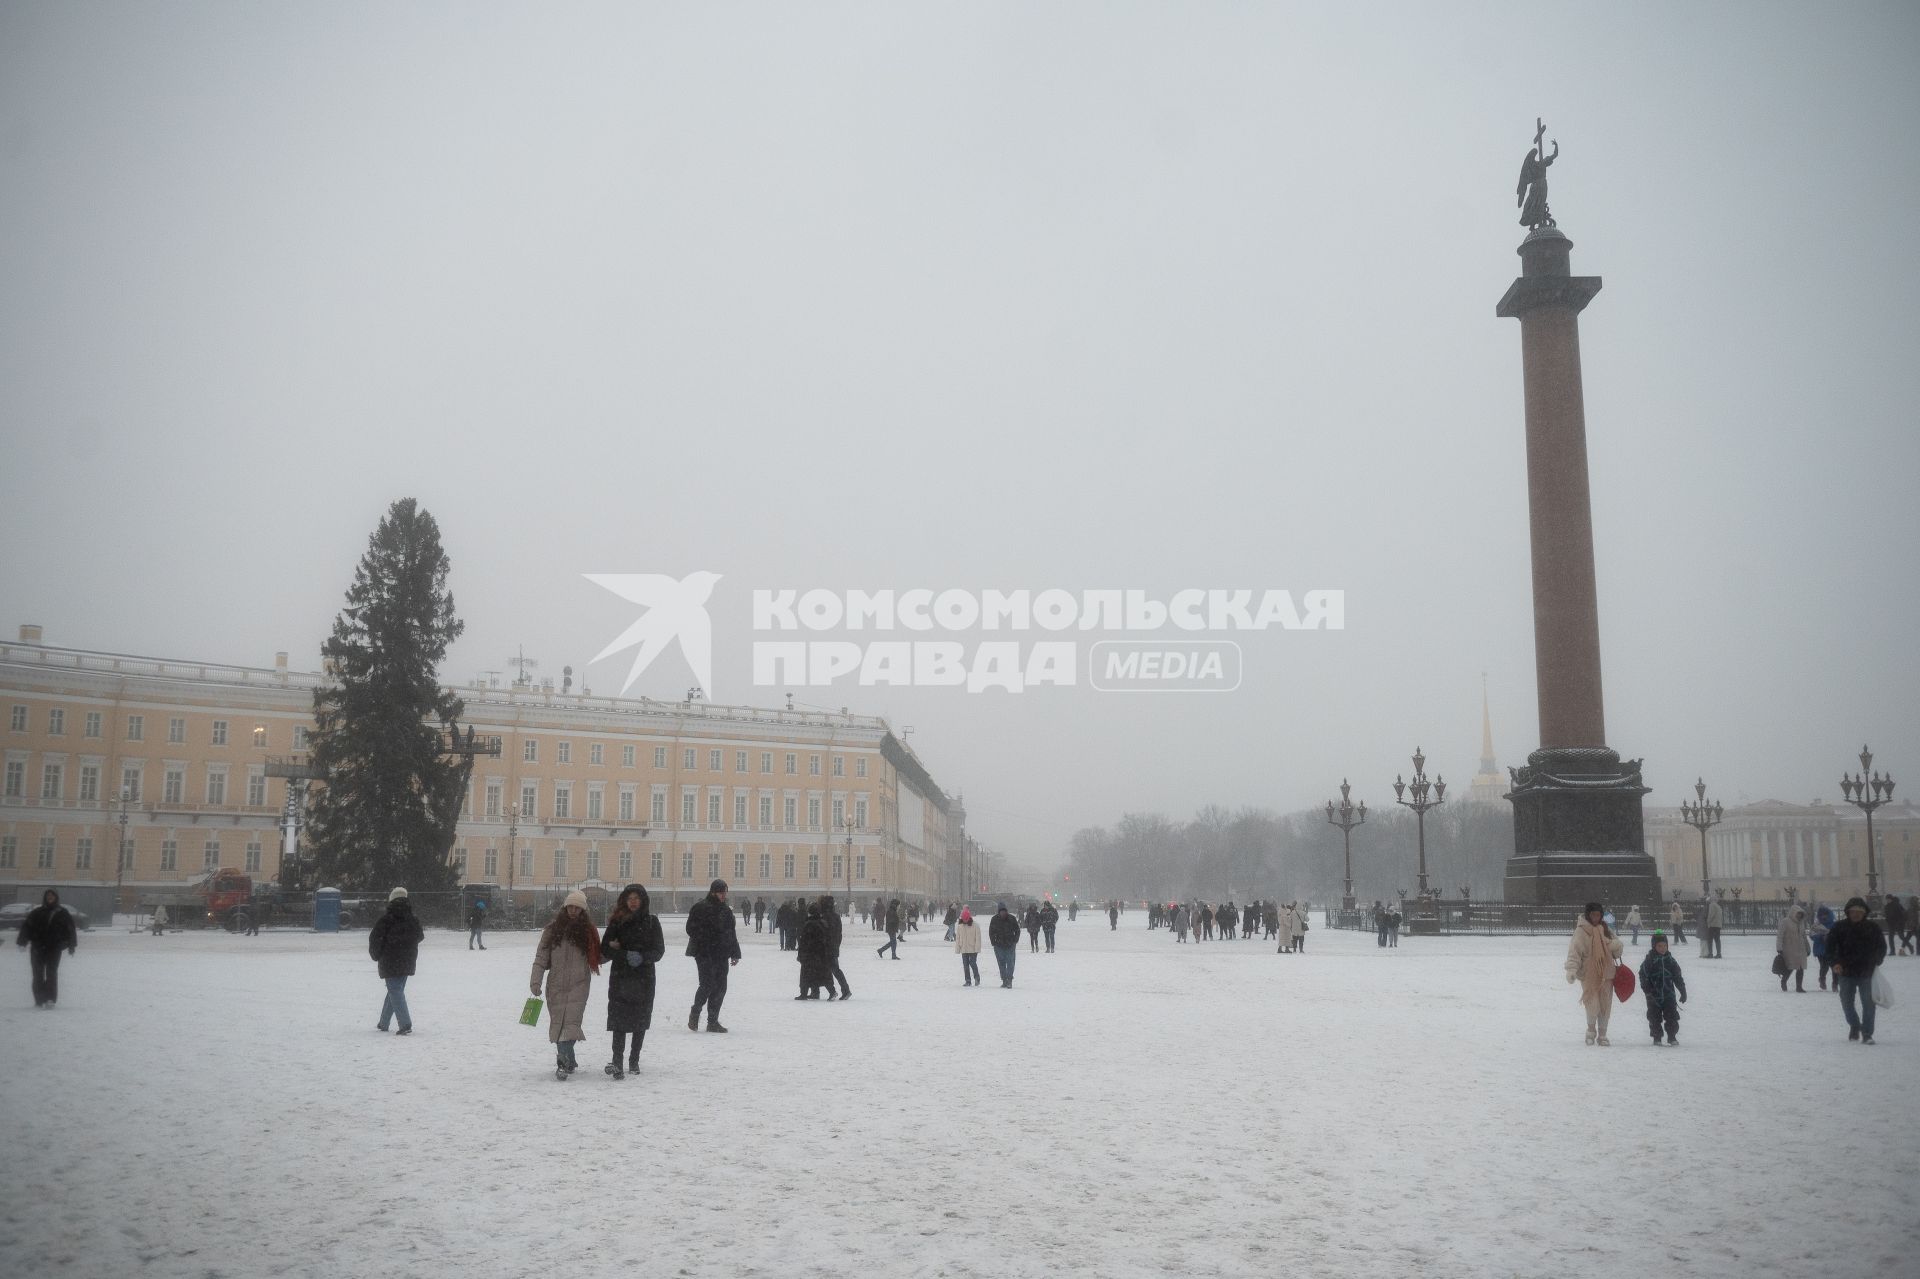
(1457, 917)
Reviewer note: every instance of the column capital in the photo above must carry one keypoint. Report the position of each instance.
(1531, 292)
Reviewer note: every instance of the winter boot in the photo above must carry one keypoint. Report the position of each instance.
(693, 1020)
(1592, 1034)
(1672, 1042)
(716, 1028)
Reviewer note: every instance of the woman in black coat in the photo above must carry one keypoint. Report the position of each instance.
(816, 967)
(632, 944)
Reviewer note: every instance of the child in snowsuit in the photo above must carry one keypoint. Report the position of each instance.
(1665, 990)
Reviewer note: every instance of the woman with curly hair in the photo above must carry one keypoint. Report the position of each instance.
(569, 956)
(633, 944)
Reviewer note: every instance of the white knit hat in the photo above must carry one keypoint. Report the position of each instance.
(396, 894)
(577, 898)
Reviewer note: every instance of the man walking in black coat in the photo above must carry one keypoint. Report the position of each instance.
(48, 932)
(1857, 947)
(394, 943)
(1003, 933)
(830, 917)
(1896, 917)
(893, 931)
(715, 949)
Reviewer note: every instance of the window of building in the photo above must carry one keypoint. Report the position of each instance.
(210, 851)
(655, 871)
(17, 721)
(813, 766)
(659, 757)
(766, 761)
(766, 811)
(766, 865)
(530, 750)
(595, 801)
(526, 863)
(839, 765)
(92, 728)
(739, 865)
(787, 862)
(626, 805)
(216, 788)
(659, 807)
(813, 813)
(16, 778)
(793, 763)
(9, 851)
(57, 722)
(686, 808)
(593, 863)
(560, 862)
(83, 853)
(791, 810)
(739, 810)
(44, 861)
(596, 753)
(626, 757)
(565, 752)
(686, 865)
(300, 737)
(713, 761)
(174, 786)
(176, 730)
(860, 813)
(89, 783)
(686, 759)
(220, 732)
(492, 860)
(626, 863)
(256, 790)
(562, 801)
(530, 800)
(813, 865)
(493, 799)
(136, 728)
(713, 808)
(52, 776)
(860, 766)
(839, 812)
(860, 866)
(713, 866)
(253, 857)
(739, 761)
(839, 866)
(130, 783)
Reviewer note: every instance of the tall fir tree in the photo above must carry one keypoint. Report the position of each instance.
(385, 813)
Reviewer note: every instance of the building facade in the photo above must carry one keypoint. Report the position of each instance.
(1764, 848)
(129, 773)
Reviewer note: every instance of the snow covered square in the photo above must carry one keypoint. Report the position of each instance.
(217, 1105)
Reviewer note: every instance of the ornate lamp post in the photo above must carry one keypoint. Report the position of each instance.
(120, 872)
(1346, 817)
(513, 830)
(1420, 804)
(1701, 816)
(1866, 793)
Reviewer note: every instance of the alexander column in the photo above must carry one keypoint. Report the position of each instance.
(1577, 833)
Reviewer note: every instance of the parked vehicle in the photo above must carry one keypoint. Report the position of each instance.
(15, 914)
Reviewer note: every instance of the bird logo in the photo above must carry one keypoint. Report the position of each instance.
(676, 608)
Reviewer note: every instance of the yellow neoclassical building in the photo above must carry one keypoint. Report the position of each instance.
(1763, 848)
(587, 790)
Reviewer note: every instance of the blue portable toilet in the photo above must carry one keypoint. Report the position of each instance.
(326, 911)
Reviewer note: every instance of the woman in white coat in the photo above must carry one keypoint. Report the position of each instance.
(1592, 955)
(1790, 942)
(966, 944)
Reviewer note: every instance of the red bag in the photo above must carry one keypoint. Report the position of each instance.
(1623, 983)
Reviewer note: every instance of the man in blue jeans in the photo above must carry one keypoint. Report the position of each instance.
(1856, 945)
(1004, 932)
(394, 943)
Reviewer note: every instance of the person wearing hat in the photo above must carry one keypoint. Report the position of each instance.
(714, 948)
(1592, 955)
(811, 947)
(1790, 943)
(966, 944)
(1664, 987)
(394, 943)
(568, 956)
(830, 916)
(1003, 931)
(47, 933)
(632, 944)
(1857, 946)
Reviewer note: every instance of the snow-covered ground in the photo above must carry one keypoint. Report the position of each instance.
(218, 1105)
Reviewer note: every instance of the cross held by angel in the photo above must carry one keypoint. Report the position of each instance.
(1532, 191)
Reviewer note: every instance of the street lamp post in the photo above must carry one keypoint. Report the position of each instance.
(1421, 788)
(1346, 817)
(1867, 792)
(513, 830)
(120, 869)
(1701, 816)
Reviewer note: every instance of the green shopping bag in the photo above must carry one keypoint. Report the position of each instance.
(530, 1015)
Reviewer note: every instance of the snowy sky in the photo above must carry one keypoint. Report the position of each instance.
(989, 295)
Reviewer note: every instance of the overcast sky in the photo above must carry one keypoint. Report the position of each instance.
(990, 295)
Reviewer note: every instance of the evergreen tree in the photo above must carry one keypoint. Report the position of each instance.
(385, 813)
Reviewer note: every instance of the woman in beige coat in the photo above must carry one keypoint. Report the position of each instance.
(1592, 955)
(1790, 940)
(569, 956)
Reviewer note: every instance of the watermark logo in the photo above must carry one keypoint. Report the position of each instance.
(676, 609)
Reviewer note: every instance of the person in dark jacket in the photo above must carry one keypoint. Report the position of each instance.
(783, 922)
(893, 931)
(715, 949)
(1822, 922)
(1032, 923)
(48, 933)
(1857, 947)
(631, 946)
(952, 919)
(1003, 934)
(830, 916)
(815, 971)
(394, 943)
(1049, 920)
(1665, 989)
(759, 912)
(1896, 916)
(477, 925)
